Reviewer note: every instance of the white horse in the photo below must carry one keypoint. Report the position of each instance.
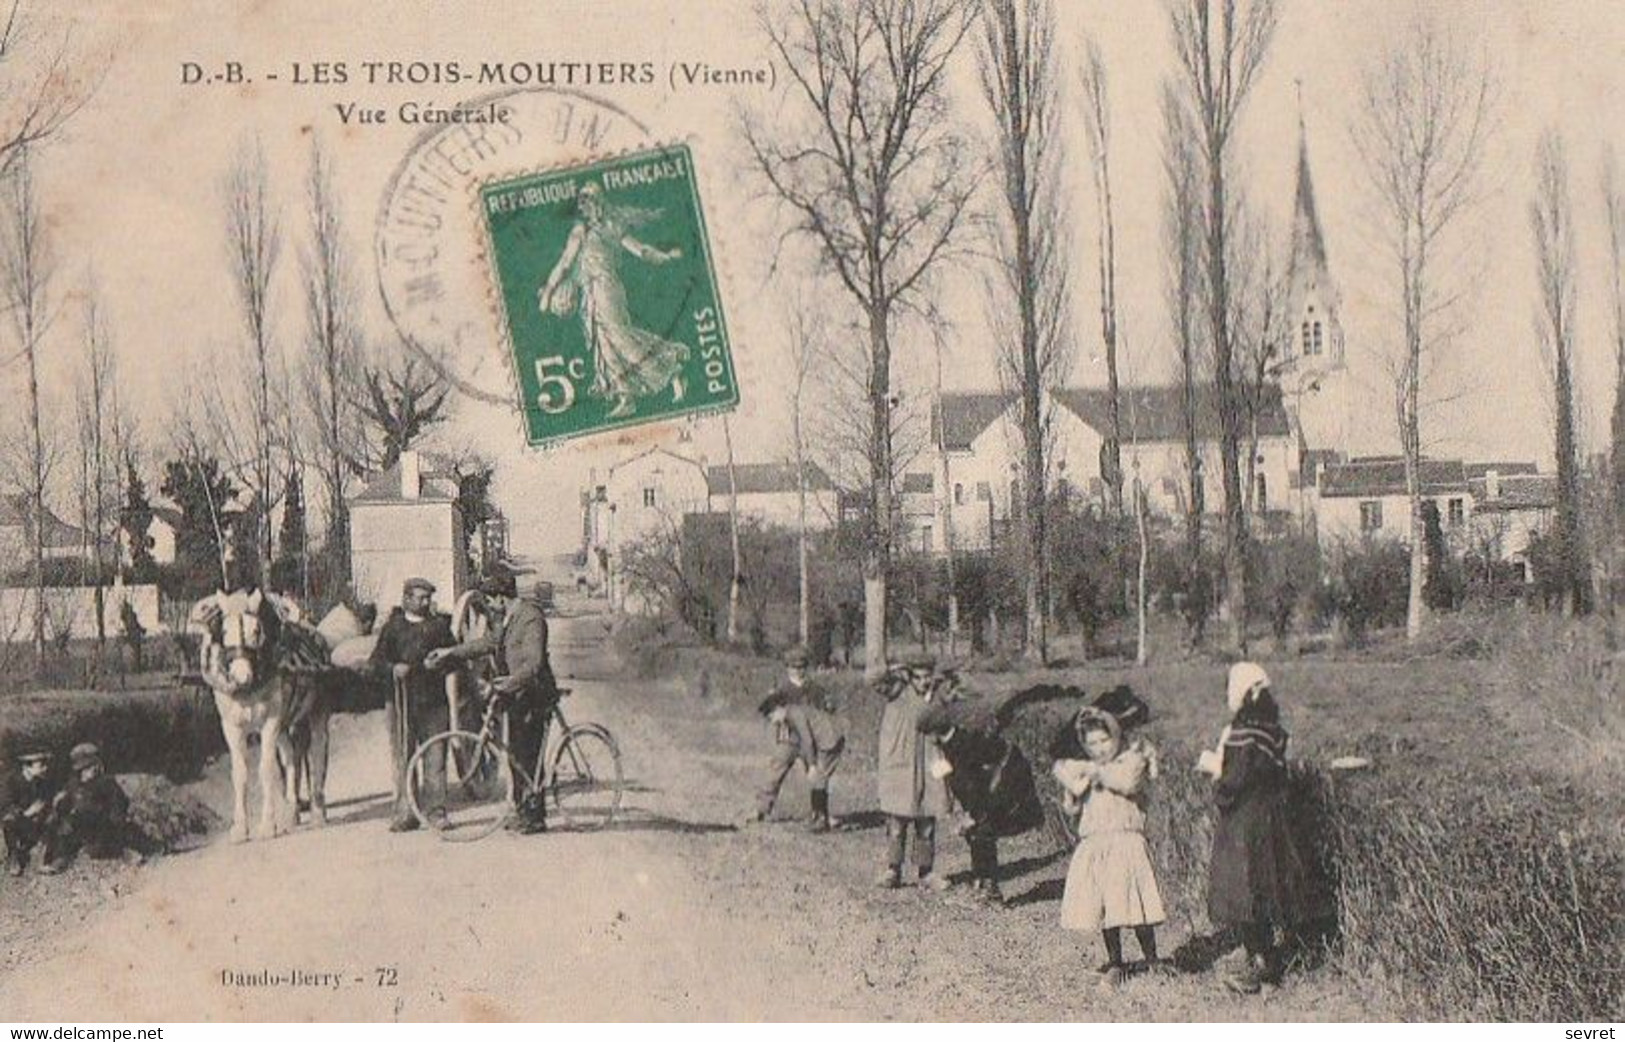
(241, 634)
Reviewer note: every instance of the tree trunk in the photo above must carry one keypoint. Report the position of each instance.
(877, 553)
(803, 587)
(736, 576)
(1142, 648)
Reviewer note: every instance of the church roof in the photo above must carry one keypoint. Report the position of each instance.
(1308, 240)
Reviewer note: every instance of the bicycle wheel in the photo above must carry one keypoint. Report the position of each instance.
(461, 785)
(585, 782)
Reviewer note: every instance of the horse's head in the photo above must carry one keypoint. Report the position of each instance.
(243, 630)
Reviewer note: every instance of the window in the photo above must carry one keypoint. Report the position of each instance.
(925, 539)
(649, 496)
(1371, 515)
(1315, 343)
(984, 491)
(1308, 337)
(959, 493)
(1261, 501)
(1457, 512)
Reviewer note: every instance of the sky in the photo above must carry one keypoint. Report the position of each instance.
(132, 192)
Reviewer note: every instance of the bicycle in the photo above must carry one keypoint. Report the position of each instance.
(485, 782)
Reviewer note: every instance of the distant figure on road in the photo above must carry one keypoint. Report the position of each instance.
(524, 679)
(804, 731)
(417, 706)
(912, 792)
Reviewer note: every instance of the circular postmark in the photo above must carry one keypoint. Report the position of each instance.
(427, 241)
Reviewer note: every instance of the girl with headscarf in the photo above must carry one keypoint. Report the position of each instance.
(1257, 879)
(1110, 883)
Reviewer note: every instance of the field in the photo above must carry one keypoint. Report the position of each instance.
(1476, 870)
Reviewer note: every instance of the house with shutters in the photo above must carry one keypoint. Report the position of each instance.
(977, 451)
(1367, 498)
(1512, 503)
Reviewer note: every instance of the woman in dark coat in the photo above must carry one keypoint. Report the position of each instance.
(990, 780)
(1257, 878)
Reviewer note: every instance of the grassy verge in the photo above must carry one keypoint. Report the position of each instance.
(1476, 871)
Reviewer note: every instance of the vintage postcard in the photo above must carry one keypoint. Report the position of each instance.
(811, 510)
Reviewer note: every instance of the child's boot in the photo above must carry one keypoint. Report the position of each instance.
(890, 879)
(818, 821)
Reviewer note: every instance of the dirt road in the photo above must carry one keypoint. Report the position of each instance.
(677, 915)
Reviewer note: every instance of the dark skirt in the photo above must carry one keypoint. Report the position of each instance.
(1258, 873)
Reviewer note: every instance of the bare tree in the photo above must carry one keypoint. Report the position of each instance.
(1182, 245)
(1551, 222)
(1421, 132)
(98, 425)
(26, 272)
(1018, 68)
(332, 370)
(869, 170)
(37, 79)
(1097, 121)
(1614, 207)
(736, 575)
(805, 345)
(254, 239)
(1222, 45)
(403, 400)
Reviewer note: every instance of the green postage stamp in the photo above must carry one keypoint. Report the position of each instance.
(609, 294)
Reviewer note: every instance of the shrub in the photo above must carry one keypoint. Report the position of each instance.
(1371, 587)
(165, 731)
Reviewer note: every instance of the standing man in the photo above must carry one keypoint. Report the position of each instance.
(524, 678)
(417, 707)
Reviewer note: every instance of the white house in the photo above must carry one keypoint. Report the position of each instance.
(1367, 498)
(980, 438)
(769, 493)
(644, 495)
(1511, 504)
(404, 524)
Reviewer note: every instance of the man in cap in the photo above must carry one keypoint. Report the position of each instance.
(524, 678)
(804, 731)
(417, 708)
(33, 790)
(92, 815)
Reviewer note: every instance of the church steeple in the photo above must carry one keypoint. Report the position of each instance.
(1314, 337)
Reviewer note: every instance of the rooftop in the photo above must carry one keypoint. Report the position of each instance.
(758, 478)
(1385, 476)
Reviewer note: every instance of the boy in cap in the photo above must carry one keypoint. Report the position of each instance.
(804, 731)
(417, 708)
(25, 824)
(92, 815)
(912, 791)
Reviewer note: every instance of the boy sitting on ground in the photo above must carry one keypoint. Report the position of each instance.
(25, 824)
(93, 815)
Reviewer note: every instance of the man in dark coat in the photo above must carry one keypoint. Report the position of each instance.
(25, 824)
(417, 708)
(93, 815)
(990, 780)
(524, 678)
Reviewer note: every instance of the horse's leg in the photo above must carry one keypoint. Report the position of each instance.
(291, 747)
(237, 745)
(316, 760)
(273, 820)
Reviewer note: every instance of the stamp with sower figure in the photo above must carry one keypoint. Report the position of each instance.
(608, 294)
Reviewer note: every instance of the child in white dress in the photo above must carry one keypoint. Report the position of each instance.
(1110, 883)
